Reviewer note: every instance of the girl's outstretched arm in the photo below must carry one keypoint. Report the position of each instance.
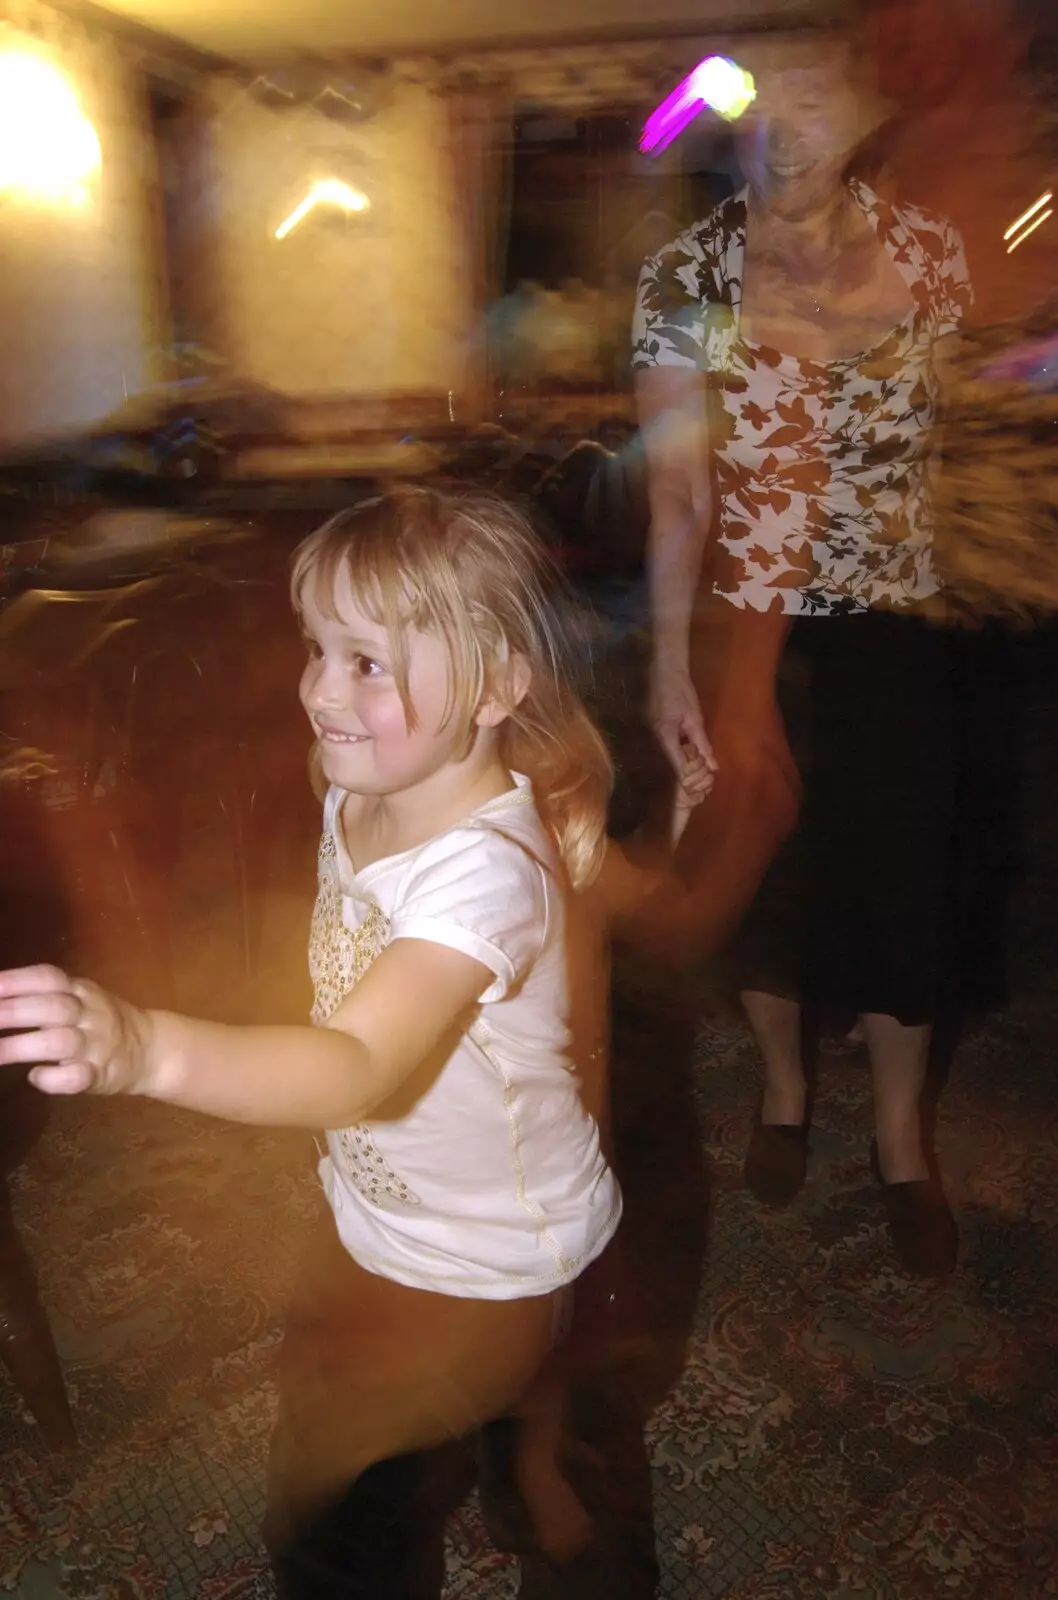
(408, 1008)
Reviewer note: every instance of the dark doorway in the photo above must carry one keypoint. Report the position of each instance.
(184, 211)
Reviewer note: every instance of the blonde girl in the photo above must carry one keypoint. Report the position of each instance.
(465, 792)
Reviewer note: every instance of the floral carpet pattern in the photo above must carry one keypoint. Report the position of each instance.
(836, 1430)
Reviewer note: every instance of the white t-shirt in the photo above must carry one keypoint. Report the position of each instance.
(492, 1185)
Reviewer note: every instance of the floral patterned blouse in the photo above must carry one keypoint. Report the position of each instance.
(823, 467)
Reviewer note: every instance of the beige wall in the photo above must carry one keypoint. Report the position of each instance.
(375, 304)
(79, 302)
(251, 29)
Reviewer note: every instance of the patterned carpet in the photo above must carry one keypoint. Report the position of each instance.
(823, 1429)
(835, 1430)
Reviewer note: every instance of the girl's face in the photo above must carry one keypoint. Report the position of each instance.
(351, 698)
(800, 131)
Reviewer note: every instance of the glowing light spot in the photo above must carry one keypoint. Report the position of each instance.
(48, 148)
(1019, 223)
(1030, 229)
(1031, 212)
(327, 192)
(724, 86)
(716, 82)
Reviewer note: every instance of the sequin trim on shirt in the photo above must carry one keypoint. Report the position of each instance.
(338, 959)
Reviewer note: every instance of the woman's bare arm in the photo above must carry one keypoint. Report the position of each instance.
(673, 419)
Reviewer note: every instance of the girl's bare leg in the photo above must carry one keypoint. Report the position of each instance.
(371, 1372)
(561, 1526)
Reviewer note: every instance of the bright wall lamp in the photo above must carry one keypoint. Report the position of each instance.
(49, 151)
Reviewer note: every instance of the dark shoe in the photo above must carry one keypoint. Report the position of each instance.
(776, 1162)
(921, 1226)
(598, 1573)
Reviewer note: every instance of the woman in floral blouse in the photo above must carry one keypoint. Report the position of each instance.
(788, 354)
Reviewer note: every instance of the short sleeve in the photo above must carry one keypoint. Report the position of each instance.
(479, 891)
(956, 296)
(668, 326)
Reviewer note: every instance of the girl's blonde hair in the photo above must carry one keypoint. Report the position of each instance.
(469, 568)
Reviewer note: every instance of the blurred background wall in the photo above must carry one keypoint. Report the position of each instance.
(502, 184)
(345, 304)
(81, 302)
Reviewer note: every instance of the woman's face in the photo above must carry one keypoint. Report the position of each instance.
(797, 136)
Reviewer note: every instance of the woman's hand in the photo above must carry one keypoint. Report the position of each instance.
(676, 717)
(80, 1039)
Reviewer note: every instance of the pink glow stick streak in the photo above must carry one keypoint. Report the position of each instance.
(714, 82)
(669, 120)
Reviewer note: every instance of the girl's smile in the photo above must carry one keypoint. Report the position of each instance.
(333, 735)
(368, 741)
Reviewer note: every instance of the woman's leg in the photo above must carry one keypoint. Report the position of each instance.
(899, 1057)
(879, 816)
(374, 1379)
(921, 1225)
(732, 838)
(777, 1155)
(776, 1024)
(757, 710)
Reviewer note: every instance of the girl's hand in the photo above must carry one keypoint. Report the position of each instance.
(80, 1039)
(694, 781)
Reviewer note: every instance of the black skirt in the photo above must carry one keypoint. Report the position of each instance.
(854, 911)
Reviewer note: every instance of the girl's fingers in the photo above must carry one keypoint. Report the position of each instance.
(33, 980)
(697, 782)
(699, 766)
(71, 1077)
(42, 1012)
(41, 1044)
(56, 1010)
(696, 754)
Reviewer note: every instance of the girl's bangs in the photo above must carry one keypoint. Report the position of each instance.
(396, 578)
(379, 585)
